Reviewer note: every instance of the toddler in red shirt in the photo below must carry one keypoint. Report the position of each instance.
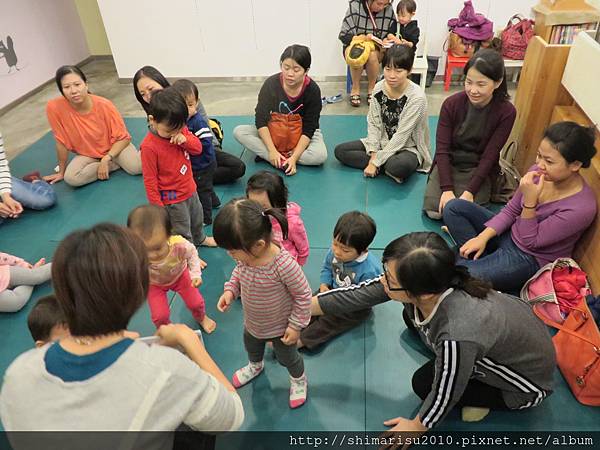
(166, 166)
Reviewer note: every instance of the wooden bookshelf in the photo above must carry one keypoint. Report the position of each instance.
(558, 83)
(550, 14)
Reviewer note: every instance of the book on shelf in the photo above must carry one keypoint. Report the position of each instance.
(565, 34)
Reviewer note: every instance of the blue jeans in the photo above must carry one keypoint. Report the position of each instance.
(503, 264)
(39, 195)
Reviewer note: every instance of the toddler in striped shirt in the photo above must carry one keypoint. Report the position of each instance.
(275, 294)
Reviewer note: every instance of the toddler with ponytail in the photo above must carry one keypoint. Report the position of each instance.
(275, 294)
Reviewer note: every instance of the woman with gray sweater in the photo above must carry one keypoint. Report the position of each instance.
(397, 141)
(489, 350)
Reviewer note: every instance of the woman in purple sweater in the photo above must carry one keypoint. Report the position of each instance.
(544, 220)
(472, 129)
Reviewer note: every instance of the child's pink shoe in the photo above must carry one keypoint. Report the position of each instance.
(246, 374)
(298, 391)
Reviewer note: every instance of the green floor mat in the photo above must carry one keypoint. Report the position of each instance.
(356, 381)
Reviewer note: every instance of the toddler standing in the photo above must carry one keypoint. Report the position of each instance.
(174, 266)
(205, 164)
(166, 165)
(275, 294)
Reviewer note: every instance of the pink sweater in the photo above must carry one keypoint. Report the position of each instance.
(297, 242)
(6, 261)
(274, 296)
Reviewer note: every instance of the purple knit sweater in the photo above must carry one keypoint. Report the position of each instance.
(555, 229)
(499, 124)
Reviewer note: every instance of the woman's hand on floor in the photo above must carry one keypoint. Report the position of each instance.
(402, 429)
(371, 170)
(445, 198)
(54, 178)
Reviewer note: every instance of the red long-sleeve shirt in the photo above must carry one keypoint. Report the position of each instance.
(166, 168)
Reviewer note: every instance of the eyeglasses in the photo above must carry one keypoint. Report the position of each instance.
(387, 281)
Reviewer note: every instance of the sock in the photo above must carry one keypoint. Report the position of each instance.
(247, 373)
(298, 391)
(474, 414)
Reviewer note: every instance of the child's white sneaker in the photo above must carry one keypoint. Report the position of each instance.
(246, 374)
(298, 391)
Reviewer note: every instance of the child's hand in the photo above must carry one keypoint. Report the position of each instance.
(203, 264)
(224, 301)
(178, 139)
(196, 282)
(323, 288)
(290, 336)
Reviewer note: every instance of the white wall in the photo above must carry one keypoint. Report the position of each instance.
(46, 35)
(244, 38)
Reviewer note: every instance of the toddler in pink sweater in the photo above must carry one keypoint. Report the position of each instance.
(268, 189)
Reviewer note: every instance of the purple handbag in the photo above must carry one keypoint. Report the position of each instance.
(470, 25)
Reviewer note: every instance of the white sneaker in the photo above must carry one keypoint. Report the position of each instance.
(298, 391)
(246, 374)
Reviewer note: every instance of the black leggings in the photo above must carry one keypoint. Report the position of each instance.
(354, 154)
(229, 168)
(477, 394)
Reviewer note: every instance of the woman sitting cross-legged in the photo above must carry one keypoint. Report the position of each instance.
(397, 141)
(91, 127)
(286, 130)
(472, 129)
(544, 220)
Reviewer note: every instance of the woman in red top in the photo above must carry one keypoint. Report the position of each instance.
(91, 127)
(473, 127)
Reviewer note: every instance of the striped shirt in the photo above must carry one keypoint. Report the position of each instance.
(409, 126)
(274, 296)
(5, 182)
(357, 22)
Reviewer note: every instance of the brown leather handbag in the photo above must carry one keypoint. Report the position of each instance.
(285, 130)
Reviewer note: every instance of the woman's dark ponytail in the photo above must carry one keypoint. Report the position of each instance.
(473, 286)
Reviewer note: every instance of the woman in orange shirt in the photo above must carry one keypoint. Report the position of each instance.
(91, 127)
